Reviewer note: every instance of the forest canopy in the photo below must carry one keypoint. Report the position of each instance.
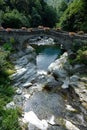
(74, 17)
(70, 15)
(29, 13)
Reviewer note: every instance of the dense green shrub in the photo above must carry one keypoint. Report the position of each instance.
(79, 44)
(1, 16)
(8, 117)
(21, 13)
(36, 19)
(3, 56)
(2, 5)
(80, 49)
(14, 19)
(49, 16)
(5, 50)
(10, 120)
(82, 56)
(75, 16)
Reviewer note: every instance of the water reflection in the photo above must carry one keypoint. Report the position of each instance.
(46, 55)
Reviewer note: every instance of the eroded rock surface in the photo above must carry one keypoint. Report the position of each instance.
(25, 66)
(53, 100)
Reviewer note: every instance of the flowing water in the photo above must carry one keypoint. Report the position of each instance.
(46, 54)
(45, 103)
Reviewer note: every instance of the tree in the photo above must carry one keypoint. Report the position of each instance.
(49, 17)
(63, 6)
(2, 5)
(75, 16)
(36, 18)
(14, 19)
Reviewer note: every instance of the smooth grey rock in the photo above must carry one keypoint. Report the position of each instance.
(19, 91)
(20, 53)
(52, 84)
(66, 83)
(37, 87)
(70, 126)
(57, 67)
(11, 105)
(25, 75)
(25, 66)
(31, 118)
(29, 50)
(18, 74)
(60, 73)
(27, 84)
(22, 61)
(45, 105)
(29, 75)
(79, 68)
(67, 67)
(50, 127)
(74, 78)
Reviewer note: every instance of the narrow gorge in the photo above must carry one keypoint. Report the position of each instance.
(51, 92)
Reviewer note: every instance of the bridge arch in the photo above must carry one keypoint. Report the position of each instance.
(22, 36)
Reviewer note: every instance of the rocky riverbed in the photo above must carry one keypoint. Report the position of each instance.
(52, 100)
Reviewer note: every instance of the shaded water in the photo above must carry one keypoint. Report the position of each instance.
(46, 54)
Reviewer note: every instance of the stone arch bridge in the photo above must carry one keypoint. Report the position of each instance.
(22, 36)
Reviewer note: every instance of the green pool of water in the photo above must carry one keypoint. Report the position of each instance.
(46, 54)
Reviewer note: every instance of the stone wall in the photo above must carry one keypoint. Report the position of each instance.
(22, 36)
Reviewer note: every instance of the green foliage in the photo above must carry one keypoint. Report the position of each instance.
(63, 6)
(79, 44)
(1, 16)
(11, 19)
(3, 56)
(7, 47)
(57, 4)
(82, 56)
(5, 51)
(8, 117)
(12, 40)
(49, 17)
(14, 19)
(2, 5)
(75, 16)
(21, 13)
(36, 18)
(80, 48)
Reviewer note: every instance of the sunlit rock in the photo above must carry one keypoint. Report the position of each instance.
(70, 126)
(65, 83)
(31, 117)
(11, 105)
(70, 108)
(19, 91)
(57, 67)
(45, 105)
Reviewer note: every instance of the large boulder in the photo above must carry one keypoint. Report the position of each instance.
(57, 67)
(45, 107)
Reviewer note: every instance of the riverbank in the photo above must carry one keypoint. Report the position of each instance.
(56, 99)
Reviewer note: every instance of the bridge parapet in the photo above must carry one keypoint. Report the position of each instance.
(22, 36)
